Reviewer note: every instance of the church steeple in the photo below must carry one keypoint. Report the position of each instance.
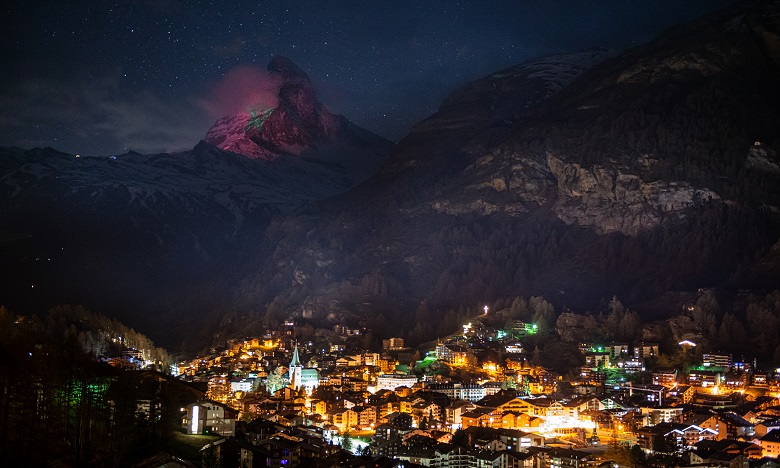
(296, 361)
(296, 369)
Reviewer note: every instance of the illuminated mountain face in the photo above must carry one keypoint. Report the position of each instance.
(298, 125)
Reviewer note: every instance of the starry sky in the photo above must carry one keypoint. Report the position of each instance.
(101, 77)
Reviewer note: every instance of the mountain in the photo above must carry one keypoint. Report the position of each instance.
(156, 240)
(653, 171)
(299, 125)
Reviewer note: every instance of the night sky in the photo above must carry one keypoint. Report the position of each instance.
(99, 77)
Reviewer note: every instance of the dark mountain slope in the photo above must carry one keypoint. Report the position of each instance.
(159, 240)
(641, 176)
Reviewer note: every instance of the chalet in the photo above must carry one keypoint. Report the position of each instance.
(597, 359)
(453, 455)
(366, 415)
(665, 376)
(765, 426)
(480, 417)
(428, 410)
(459, 391)
(724, 459)
(646, 350)
(579, 405)
(707, 448)
(672, 437)
(736, 427)
(704, 378)
(502, 458)
(343, 418)
(519, 440)
(760, 379)
(735, 380)
(231, 451)
(420, 456)
(727, 424)
(289, 450)
(455, 354)
(210, 417)
(611, 403)
(682, 393)
(655, 415)
(259, 429)
(456, 410)
(570, 458)
(770, 444)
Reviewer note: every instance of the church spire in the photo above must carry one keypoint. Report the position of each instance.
(296, 361)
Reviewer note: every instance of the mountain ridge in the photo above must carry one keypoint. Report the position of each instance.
(299, 125)
(630, 180)
(578, 177)
(158, 238)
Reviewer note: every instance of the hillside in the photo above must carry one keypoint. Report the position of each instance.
(653, 171)
(159, 240)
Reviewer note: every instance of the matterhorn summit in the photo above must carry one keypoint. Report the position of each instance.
(299, 126)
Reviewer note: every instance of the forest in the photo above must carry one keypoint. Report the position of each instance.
(61, 401)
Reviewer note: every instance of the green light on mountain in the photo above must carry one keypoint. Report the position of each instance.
(256, 120)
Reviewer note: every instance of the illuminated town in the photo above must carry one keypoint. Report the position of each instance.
(477, 398)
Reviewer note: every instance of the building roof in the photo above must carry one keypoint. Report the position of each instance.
(477, 412)
(771, 436)
(296, 361)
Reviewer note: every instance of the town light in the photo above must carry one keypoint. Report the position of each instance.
(194, 422)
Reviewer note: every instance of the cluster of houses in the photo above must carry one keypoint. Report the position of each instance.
(279, 402)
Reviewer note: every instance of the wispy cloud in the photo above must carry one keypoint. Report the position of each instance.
(242, 89)
(97, 112)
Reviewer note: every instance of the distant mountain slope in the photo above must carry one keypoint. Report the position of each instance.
(156, 240)
(639, 176)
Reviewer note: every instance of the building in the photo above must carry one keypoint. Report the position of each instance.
(666, 376)
(504, 458)
(456, 410)
(459, 391)
(561, 457)
(393, 344)
(656, 415)
(646, 350)
(393, 381)
(231, 451)
(300, 377)
(455, 354)
(244, 385)
(704, 378)
(597, 359)
(770, 444)
(721, 361)
(210, 417)
(672, 437)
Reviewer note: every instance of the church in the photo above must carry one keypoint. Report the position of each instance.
(302, 378)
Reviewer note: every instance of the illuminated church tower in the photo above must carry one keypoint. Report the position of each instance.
(296, 369)
(307, 379)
